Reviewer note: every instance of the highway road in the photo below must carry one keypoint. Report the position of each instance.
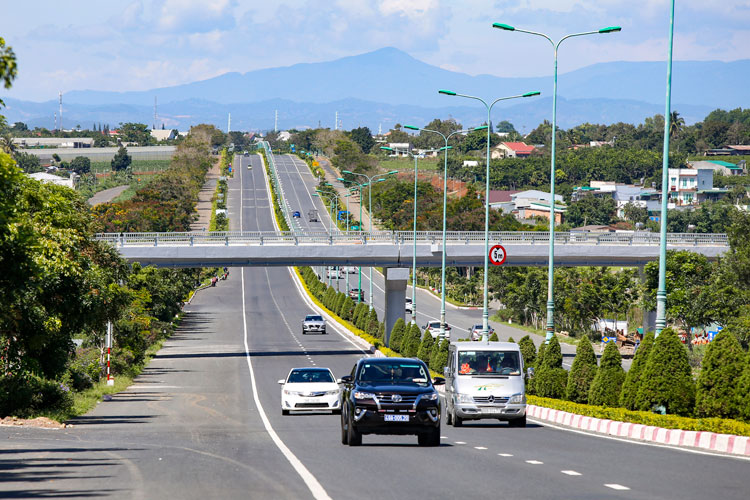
(204, 421)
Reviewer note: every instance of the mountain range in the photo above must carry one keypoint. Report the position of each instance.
(388, 86)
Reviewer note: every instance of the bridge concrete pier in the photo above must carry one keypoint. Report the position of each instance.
(395, 297)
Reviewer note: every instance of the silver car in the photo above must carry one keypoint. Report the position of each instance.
(313, 323)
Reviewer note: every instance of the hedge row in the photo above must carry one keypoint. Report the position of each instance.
(280, 219)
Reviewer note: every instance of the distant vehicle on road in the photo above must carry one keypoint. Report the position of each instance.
(390, 396)
(312, 216)
(313, 323)
(349, 269)
(310, 389)
(296, 214)
(246, 154)
(434, 328)
(357, 294)
(409, 305)
(475, 331)
(333, 272)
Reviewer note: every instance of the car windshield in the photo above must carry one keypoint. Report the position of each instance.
(394, 372)
(311, 317)
(488, 363)
(309, 376)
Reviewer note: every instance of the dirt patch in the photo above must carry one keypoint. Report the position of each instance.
(43, 422)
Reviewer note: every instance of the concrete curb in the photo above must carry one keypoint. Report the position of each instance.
(701, 440)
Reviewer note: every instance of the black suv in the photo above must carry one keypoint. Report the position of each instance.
(390, 396)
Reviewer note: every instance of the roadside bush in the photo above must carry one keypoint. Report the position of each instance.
(667, 380)
(607, 384)
(439, 359)
(582, 373)
(340, 303)
(634, 376)
(528, 351)
(328, 297)
(362, 317)
(551, 378)
(346, 309)
(24, 395)
(425, 348)
(510, 339)
(493, 338)
(381, 331)
(410, 347)
(397, 333)
(357, 311)
(372, 323)
(716, 392)
(743, 392)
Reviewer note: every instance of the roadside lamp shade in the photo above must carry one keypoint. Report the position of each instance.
(392, 172)
(446, 92)
(531, 94)
(610, 29)
(347, 171)
(502, 26)
(340, 179)
(482, 127)
(411, 127)
(444, 148)
(386, 148)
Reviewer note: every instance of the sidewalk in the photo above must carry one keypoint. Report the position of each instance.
(206, 194)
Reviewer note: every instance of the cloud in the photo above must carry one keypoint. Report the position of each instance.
(195, 16)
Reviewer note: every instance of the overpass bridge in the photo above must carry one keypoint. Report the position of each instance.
(395, 248)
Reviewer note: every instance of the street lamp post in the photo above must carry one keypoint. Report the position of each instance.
(347, 233)
(370, 181)
(331, 201)
(550, 268)
(485, 308)
(445, 206)
(661, 292)
(357, 188)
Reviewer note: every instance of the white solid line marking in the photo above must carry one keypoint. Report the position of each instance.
(534, 462)
(570, 472)
(504, 455)
(480, 448)
(460, 442)
(616, 486)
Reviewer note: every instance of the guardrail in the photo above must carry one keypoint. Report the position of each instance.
(244, 238)
(275, 180)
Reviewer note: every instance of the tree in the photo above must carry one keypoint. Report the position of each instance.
(667, 379)
(425, 348)
(8, 66)
(716, 392)
(528, 351)
(363, 137)
(607, 384)
(411, 341)
(743, 391)
(372, 323)
(80, 165)
(439, 358)
(137, 133)
(634, 377)
(122, 160)
(551, 378)
(347, 308)
(28, 163)
(635, 213)
(397, 333)
(591, 210)
(582, 373)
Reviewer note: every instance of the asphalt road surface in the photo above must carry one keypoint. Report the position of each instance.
(204, 421)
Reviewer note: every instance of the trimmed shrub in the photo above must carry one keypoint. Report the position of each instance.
(607, 384)
(362, 318)
(634, 376)
(440, 359)
(357, 311)
(425, 348)
(397, 333)
(716, 392)
(551, 378)
(340, 303)
(329, 297)
(510, 339)
(743, 392)
(347, 309)
(410, 345)
(372, 323)
(381, 330)
(528, 351)
(493, 337)
(582, 373)
(667, 380)
(24, 395)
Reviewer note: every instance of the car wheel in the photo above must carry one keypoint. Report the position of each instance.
(285, 412)
(354, 437)
(449, 418)
(304, 332)
(457, 421)
(344, 430)
(518, 422)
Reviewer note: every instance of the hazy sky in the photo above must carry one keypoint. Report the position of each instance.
(142, 44)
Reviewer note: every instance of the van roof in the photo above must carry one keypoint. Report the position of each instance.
(484, 346)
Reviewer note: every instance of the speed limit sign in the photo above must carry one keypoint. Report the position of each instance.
(497, 255)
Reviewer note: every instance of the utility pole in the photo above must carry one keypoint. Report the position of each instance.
(276, 121)
(55, 121)
(336, 126)
(110, 380)
(154, 127)
(229, 123)
(60, 98)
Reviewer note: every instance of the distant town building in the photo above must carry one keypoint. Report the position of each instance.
(163, 135)
(722, 167)
(54, 179)
(512, 150)
(53, 142)
(400, 148)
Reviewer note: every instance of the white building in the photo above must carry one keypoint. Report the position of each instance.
(54, 179)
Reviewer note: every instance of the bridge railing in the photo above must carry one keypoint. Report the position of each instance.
(245, 238)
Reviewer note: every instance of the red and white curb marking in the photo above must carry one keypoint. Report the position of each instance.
(710, 441)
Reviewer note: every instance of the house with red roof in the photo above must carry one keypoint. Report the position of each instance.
(512, 150)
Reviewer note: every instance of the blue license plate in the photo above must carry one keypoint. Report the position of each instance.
(396, 418)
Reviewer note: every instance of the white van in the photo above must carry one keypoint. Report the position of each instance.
(485, 380)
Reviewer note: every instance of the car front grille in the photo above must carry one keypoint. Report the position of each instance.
(490, 400)
(406, 399)
(311, 405)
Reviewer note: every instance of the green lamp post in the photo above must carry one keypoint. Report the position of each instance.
(485, 307)
(550, 268)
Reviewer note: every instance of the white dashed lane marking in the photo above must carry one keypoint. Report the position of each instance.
(534, 462)
(460, 442)
(480, 448)
(504, 455)
(616, 486)
(570, 472)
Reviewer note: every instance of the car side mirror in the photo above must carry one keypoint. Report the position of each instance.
(446, 371)
(530, 372)
(346, 379)
(281, 381)
(438, 381)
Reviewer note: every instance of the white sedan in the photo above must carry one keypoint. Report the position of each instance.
(310, 389)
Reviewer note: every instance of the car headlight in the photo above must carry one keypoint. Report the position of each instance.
(291, 393)
(363, 395)
(465, 398)
(432, 396)
(517, 399)
(331, 393)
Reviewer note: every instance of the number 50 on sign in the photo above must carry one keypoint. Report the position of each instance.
(497, 255)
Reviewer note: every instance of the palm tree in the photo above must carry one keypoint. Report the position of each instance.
(6, 144)
(676, 125)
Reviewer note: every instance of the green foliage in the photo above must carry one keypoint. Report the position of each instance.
(551, 378)
(667, 379)
(607, 384)
(743, 391)
(397, 334)
(439, 358)
(634, 377)
(425, 348)
(363, 137)
(137, 133)
(528, 351)
(413, 338)
(494, 338)
(373, 324)
(591, 210)
(80, 165)
(716, 392)
(347, 308)
(121, 160)
(8, 66)
(26, 395)
(381, 330)
(329, 297)
(582, 373)
(27, 162)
